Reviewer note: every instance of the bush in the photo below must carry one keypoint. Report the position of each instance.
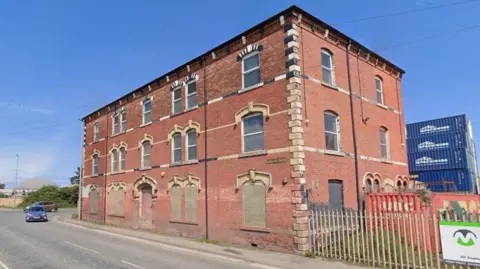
(63, 197)
(74, 216)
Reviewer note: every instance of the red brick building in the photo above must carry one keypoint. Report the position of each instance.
(249, 134)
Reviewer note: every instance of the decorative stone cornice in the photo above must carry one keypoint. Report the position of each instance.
(251, 108)
(146, 137)
(254, 176)
(184, 181)
(116, 186)
(144, 179)
(249, 49)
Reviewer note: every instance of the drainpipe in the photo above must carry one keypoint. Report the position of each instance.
(352, 113)
(105, 175)
(206, 143)
(80, 178)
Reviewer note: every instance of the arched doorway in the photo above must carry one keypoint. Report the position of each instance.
(145, 193)
(146, 203)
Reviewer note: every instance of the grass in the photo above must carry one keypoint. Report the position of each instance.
(205, 240)
(74, 216)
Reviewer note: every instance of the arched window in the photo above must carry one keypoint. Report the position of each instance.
(93, 201)
(116, 123)
(332, 131)
(177, 148)
(123, 153)
(146, 148)
(191, 194)
(379, 89)
(147, 110)
(399, 185)
(254, 204)
(95, 161)
(191, 94)
(335, 194)
(96, 132)
(177, 100)
(327, 67)
(376, 186)
(384, 143)
(405, 185)
(388, 188)
(251, 70)
(191, 144)
(252, 132)
(176, 202)
(114, 158)
(368, 186)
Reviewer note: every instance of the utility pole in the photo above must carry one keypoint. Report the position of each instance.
(16, 185)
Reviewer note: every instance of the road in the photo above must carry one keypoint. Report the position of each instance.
(54, 245)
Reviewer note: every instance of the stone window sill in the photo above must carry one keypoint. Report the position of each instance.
(253, 153)
(386, 161)
(145, 168)
(95, 175)
(254, 229)
(192, 108)
(116, 216)
(251, 87)
(93, 213)
(184, 222)
(382, 106)
(120, 133)
(117, 173)
(328, 85)
(334, 153)
(145, 124)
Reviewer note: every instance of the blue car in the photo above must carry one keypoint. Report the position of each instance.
(35, 213)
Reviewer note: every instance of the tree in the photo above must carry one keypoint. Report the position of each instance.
(2, 186)
(76, 178)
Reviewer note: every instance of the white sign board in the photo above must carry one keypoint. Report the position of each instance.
(460, 242)
(85, 191)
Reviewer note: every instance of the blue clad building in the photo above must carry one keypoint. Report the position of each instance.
(441, 153)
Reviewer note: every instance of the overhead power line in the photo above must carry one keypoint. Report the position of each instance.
(409, 11)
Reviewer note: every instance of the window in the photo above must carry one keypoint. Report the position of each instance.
(376, 186)
(384, 143)
(252, 128)
(191, 193)
(114, 160)
(116, 200)
(332, 131)
(112, 199)
(335, 194)
(379, 88)
(147, 111)
(254, 204)
(122, 158)
(327, 67)
(123, 121)
(95, 161)
(146, 146)
(177, 148)
(191, 94)
(192, 145)
(93, 201)
(96, 132)
(116, 124)
(176, 202)
(120, 201)
(251, 70)
(177, 100)
(368, 186)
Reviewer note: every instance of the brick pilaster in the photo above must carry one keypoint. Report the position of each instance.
(295, 125)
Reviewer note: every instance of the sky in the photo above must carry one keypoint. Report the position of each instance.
(60, 60)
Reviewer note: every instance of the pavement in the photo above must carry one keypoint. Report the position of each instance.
(72, 244)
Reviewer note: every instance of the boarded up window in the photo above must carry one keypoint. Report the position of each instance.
(93, 201)
(112, 199)
(191, 192)
(254, 204)
(120, 202)
(335, 194)
(176, 202)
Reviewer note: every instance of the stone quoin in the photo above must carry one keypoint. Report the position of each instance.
(262, 124)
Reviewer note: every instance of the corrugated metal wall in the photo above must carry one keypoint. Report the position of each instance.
(447, 125)
(452, 180)
(437, 160)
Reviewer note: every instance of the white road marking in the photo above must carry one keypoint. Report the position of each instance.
(75, 245)
(132, 264)
(3, 265)
(197, 252)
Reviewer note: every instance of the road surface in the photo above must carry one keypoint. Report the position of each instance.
(54, 245)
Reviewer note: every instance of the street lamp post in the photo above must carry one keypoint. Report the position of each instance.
(16, 185)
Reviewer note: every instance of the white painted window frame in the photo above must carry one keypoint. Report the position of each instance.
(243, 131)
(95, 164)
(115, 126)
(178, 88)
(387, 141)
(143, 154)
(120, 166)
(187, 95)
(188, 146)
(337, 123)
(174, 148)
(114, 160)
(123, 121)
(96, 132)
(377, 78)
(331, 68)
(250, 70)
(144, 112)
